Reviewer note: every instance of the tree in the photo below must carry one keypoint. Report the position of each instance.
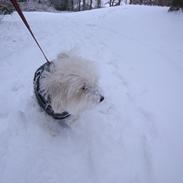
(84, 4)
(6, 8)
(176, 5)
(91, 2)
(72, 5)
(98, 3)
(79, 5)
(118, 3)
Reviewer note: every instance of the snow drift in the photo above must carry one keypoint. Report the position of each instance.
(134, 136)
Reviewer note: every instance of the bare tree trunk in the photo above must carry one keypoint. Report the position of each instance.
(98, 3)
(79, 5)
(72, 5)
(84, 4)
(118, 3)
(67, 4)
(112, 3)
(91, 2)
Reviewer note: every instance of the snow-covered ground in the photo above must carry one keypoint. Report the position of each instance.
(134, 136)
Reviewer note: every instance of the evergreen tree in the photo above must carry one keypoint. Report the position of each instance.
(176, 5)
(6, 8)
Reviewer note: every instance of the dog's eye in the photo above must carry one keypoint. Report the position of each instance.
(84, 88)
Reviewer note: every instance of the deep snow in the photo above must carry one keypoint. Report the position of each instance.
(134, 136)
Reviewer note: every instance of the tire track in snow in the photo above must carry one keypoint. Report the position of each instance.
(148, 132)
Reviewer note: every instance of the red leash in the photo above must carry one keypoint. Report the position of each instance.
(19, 11)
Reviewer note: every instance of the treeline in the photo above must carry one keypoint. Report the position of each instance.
(66, 5)
(62, 5)
(80, 5)
(174, 4)
(75, 5)
(152, 2)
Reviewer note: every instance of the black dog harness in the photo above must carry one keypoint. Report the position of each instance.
(45, 102)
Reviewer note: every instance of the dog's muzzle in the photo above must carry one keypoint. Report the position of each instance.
(45, 102)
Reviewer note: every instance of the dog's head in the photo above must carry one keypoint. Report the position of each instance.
(73, 86)
(82, 90)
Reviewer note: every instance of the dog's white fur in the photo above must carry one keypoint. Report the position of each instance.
(72, 84)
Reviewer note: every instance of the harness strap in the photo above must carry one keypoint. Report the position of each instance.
(45, 102)
(19, 11)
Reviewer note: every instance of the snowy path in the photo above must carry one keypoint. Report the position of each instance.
(134, 136)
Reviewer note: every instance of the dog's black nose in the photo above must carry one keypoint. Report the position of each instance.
(101, 98)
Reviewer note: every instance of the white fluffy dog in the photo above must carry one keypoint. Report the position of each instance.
(72, 85)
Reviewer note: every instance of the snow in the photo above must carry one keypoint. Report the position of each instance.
(134, 136)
